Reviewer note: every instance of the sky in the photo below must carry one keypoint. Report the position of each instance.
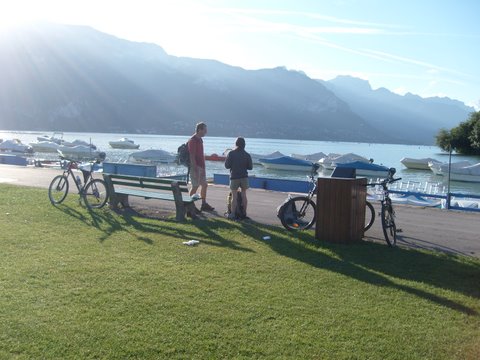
(428, 48)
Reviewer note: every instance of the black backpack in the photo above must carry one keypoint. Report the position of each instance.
(240, 213)
(183, 155)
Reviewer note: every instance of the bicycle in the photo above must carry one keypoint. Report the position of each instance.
(93, 192)
(299, 212)
(387, 213)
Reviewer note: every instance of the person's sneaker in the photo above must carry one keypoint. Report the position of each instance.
(206, 207)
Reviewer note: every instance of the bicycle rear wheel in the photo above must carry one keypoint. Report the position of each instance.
(95, 194)
(369, 216)
(388, 225)
(299, 213)
(58, 189)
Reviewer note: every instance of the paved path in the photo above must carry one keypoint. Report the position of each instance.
(448, 231)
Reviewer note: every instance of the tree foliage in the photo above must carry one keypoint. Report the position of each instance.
(464, 139)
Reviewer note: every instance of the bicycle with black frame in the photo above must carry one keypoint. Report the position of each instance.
(387, 214)
(299, 212)
(93, 192)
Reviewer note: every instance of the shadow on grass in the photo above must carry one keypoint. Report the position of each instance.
(377, 264)
(368, 262)
(110, 222)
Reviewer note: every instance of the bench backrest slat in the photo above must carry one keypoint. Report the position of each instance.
(146, 182)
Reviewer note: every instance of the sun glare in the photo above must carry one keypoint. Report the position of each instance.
(13, 14)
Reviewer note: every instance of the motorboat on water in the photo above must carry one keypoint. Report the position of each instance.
(152, 156)
(287, 163)
(366, 168)
(77, 142)
(215, 157)
(57, 137)
(418, 164)
(326, 162)
(467, 174)
(45, 146)
(256, 157)
(123, 143)
(53, 146)
(15, 146)
(333, 160)
(442, 168)
(79, 152)
(310, 157)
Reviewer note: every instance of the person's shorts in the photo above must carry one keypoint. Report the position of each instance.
(239, 183)
(198, 178)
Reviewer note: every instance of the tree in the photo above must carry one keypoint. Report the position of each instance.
(475, 135)
(464, 139)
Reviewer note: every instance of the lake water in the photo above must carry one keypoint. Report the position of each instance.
(386, 154)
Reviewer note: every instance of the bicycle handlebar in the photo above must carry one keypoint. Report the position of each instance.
(384, 182)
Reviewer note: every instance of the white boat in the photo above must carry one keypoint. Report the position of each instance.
(363, 168)
(418, 164)
(45, 147)
(287, 163)
(78, 142)
(442, 168)
(57, 137)
(257, 157)
(310, 157)
(124, 143)
(326, 162)
(152, 157)
(332, 160)
(79, 152)
(468, 173)
(15, 146)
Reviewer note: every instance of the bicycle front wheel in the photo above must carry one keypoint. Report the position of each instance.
(369, 216)
(388, 225)
(299, 213)
(58, 189)
(95, 194)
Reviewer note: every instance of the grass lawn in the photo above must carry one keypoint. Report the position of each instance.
(80, 284)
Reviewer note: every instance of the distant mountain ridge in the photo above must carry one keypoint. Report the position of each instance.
(74, 78)
(406, 116)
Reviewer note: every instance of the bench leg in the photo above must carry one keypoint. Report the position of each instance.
(116, 199)
(179, 204)
(180, 213)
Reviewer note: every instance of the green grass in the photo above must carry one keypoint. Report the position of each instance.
(80, 284)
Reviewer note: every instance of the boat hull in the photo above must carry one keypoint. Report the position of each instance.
(45, 147)
(123, 146)
(287, 167)
(418, 164)
(286, 163)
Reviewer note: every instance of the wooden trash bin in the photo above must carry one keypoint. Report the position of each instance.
(341, 209)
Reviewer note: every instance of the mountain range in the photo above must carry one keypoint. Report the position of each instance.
(75, 78)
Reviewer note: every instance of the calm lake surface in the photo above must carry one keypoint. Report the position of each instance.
(385, 154)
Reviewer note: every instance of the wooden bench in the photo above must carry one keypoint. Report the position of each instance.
(120, 187)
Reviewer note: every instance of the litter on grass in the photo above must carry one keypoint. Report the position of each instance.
(191, 242)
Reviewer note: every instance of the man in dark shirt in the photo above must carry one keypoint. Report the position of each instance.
(198, 173)
(238, 161)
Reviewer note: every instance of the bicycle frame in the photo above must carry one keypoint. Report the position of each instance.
(313, 190)
(385, 192)
(69, 171)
